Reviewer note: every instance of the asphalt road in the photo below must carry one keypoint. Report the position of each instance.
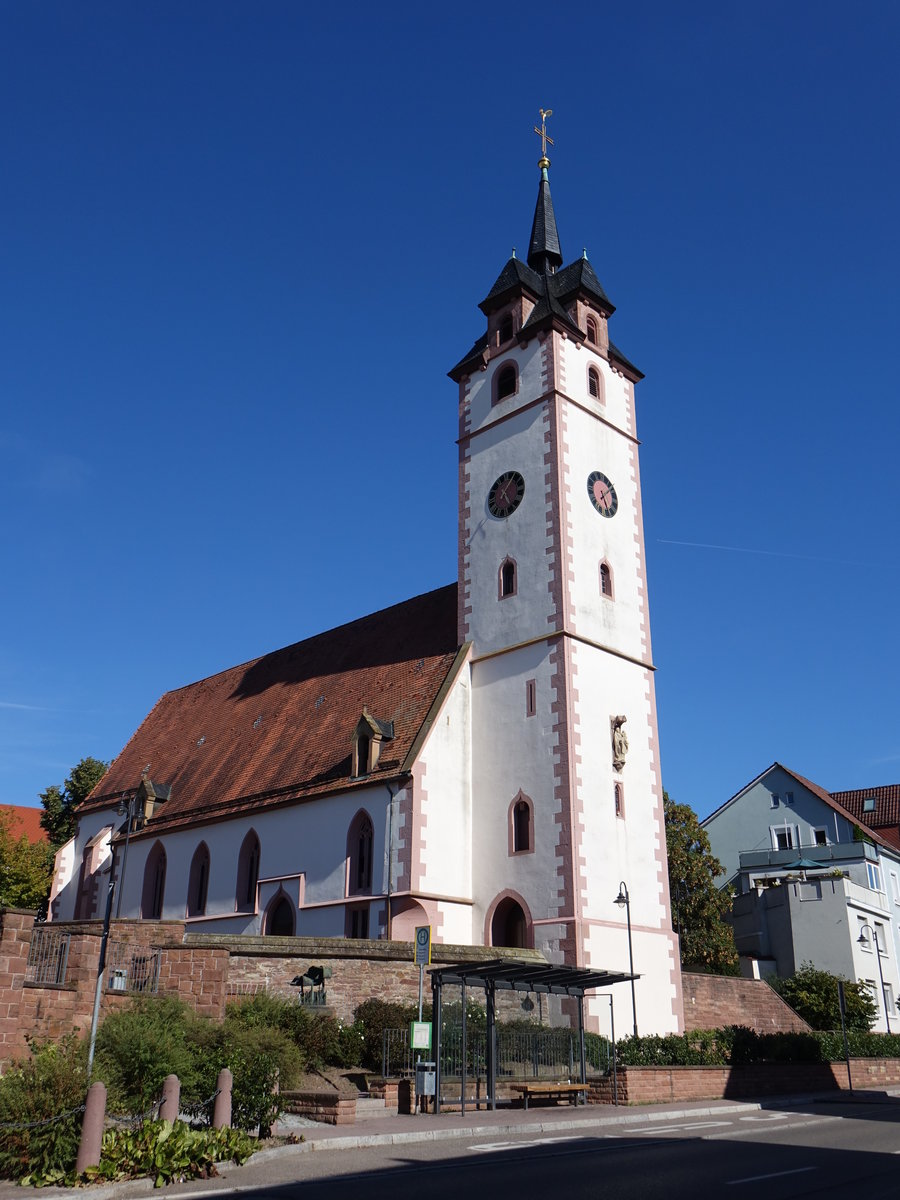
(823, 1150)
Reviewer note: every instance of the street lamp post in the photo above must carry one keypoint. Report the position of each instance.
(125, 806)
(864, 941)
(624, 900)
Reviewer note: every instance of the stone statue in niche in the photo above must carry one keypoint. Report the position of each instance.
(619, 742)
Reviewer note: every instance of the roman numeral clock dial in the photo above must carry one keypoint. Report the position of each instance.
(602, 494)
(506, 494)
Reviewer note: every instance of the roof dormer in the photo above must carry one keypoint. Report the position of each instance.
(368, 738)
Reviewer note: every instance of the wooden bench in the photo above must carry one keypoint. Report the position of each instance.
(553, 1091)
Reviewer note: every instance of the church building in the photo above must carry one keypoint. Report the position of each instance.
(483, 758)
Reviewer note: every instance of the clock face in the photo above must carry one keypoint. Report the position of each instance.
(602, 493)
(506, 494)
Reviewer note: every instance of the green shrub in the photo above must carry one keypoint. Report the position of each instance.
(138, 1046)
(373, 1017)
(51, 1081)
(813, 994)
(316, 1035)
(168, 1153)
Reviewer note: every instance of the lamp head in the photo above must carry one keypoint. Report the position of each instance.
(622, 898)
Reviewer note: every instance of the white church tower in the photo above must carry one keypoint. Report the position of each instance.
(567, 800)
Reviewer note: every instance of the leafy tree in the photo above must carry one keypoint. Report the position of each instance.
(700, 908)
(58, 818)
(26, 869)
(813, 995)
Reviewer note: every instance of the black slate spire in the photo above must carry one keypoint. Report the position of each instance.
(544, 254)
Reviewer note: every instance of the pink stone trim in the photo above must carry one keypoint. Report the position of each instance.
(570, 864)
(519, 798)
(464, 581)
(509, 894)
(419, 828)
(403, 839)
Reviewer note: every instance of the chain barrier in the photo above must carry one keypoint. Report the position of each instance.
(46, 1121)
(140, 1118)
(201, 1109)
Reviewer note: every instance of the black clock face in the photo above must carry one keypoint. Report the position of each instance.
(506, 494)
(602, 493)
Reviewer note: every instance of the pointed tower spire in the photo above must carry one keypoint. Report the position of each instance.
(544, 254)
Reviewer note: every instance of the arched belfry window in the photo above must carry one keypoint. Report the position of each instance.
(507, 578)
(506, 382)
(591, 326)
(505, 331)
(595, 383)
(247, 874)
(154, 890)
(360, 840)
(198, 882)
(606, 580)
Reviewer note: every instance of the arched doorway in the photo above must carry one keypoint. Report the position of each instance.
(280, 918)
(509, 926)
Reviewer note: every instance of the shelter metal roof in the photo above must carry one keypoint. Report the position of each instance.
(509, 975)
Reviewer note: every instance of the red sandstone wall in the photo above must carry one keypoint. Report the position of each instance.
(711, 1001)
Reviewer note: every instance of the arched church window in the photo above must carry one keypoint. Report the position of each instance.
(507, 578)
(198, 882)
(360, 841)
(154, 890)
(606, 583)
(592, 331)
(507, 381)
(247, 874)
(594, 385)
(506, 328)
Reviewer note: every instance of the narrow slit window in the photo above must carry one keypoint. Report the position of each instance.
(619, 799)
(530, 698)
(606, 587)
(507, 578)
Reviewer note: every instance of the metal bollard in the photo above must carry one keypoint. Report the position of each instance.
(171, 1098)
(92, 1128)
(222, 1108)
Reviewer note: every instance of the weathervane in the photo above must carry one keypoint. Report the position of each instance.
(544, 136)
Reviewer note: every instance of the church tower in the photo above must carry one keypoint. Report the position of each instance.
(566, 788)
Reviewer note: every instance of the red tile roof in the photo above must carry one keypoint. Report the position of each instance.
(887, 804)
(24, 820)
(279, 728)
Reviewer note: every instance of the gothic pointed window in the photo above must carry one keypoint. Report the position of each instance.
(154, 889)
(247, 874)
(360, 841)
(521, 825)
(198, 882)
(506, 382)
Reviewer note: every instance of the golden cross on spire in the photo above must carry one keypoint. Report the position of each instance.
(544, 136)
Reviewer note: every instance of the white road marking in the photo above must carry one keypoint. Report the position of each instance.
(493, 1147)
(678, 1128)
(767, 1117)
(773, 1175)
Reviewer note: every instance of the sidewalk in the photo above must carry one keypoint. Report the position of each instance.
(400, 1130)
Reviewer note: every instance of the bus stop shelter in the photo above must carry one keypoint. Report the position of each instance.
(501, 974)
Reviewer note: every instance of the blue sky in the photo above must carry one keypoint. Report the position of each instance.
(241, 244)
